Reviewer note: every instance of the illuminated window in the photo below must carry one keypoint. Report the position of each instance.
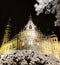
(14, 46)
(10, 47)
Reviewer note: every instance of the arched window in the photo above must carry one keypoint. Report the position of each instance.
(30, 27)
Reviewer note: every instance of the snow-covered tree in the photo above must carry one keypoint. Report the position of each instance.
(48, 5)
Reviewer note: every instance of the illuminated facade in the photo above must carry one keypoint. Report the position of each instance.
(31, 39)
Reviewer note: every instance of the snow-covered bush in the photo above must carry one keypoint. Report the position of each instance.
(28, 57)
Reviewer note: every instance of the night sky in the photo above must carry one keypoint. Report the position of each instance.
(19, 11)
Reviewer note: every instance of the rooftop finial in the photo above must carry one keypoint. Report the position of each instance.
(53, 32)
(9, 19)
(9, 22)
(30, 17)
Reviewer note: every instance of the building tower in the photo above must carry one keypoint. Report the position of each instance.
(30, 25)
(6, 37)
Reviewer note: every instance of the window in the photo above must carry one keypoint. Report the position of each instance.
(54, 39)
(14, 46)
(30, 27)
(10, 47)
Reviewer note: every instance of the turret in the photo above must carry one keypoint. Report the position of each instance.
(6, 37)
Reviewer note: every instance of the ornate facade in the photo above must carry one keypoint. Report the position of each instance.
(31, 39)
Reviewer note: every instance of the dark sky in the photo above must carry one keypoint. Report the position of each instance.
(19, 11)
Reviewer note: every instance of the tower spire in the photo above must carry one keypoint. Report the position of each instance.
(6, 37)
(30, 17)
(30, 25)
